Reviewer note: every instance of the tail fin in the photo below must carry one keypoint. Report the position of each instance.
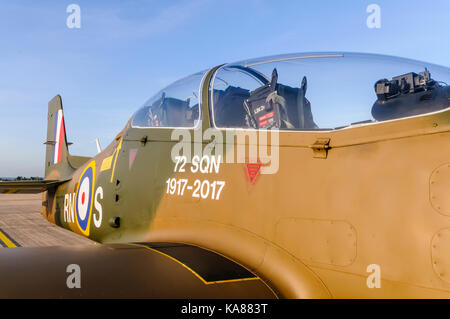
(56, 158)
(59, 164)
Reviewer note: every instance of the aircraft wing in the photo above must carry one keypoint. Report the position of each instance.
(144, 270)
(27, 187)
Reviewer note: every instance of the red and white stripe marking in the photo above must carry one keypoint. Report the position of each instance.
(60, 133)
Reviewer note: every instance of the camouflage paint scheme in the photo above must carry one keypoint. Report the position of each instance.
(380, 196)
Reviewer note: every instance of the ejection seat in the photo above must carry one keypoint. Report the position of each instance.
(229, 107)
(172, 112)
(275, 105)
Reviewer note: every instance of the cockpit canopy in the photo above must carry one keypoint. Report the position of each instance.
(323, 91)
(174, 106)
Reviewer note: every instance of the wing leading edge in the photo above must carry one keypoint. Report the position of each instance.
(125, 271)
(27, 187)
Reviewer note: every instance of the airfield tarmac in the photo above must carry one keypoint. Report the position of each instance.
(22, 225)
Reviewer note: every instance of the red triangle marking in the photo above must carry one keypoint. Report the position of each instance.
(132, 157)
(253, 170)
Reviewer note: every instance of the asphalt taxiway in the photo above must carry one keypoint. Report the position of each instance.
(22, 225)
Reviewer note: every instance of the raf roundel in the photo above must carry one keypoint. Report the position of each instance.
(84, 198)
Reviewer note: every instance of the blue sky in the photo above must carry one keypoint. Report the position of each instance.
(125, 51)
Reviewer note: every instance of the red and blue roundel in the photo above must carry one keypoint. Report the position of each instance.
(85, 193)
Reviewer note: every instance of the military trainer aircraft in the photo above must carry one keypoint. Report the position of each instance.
(315, 175)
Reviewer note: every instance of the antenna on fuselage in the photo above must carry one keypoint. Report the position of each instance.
(97, 142)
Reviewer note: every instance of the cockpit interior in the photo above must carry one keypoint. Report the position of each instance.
(303, 92)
